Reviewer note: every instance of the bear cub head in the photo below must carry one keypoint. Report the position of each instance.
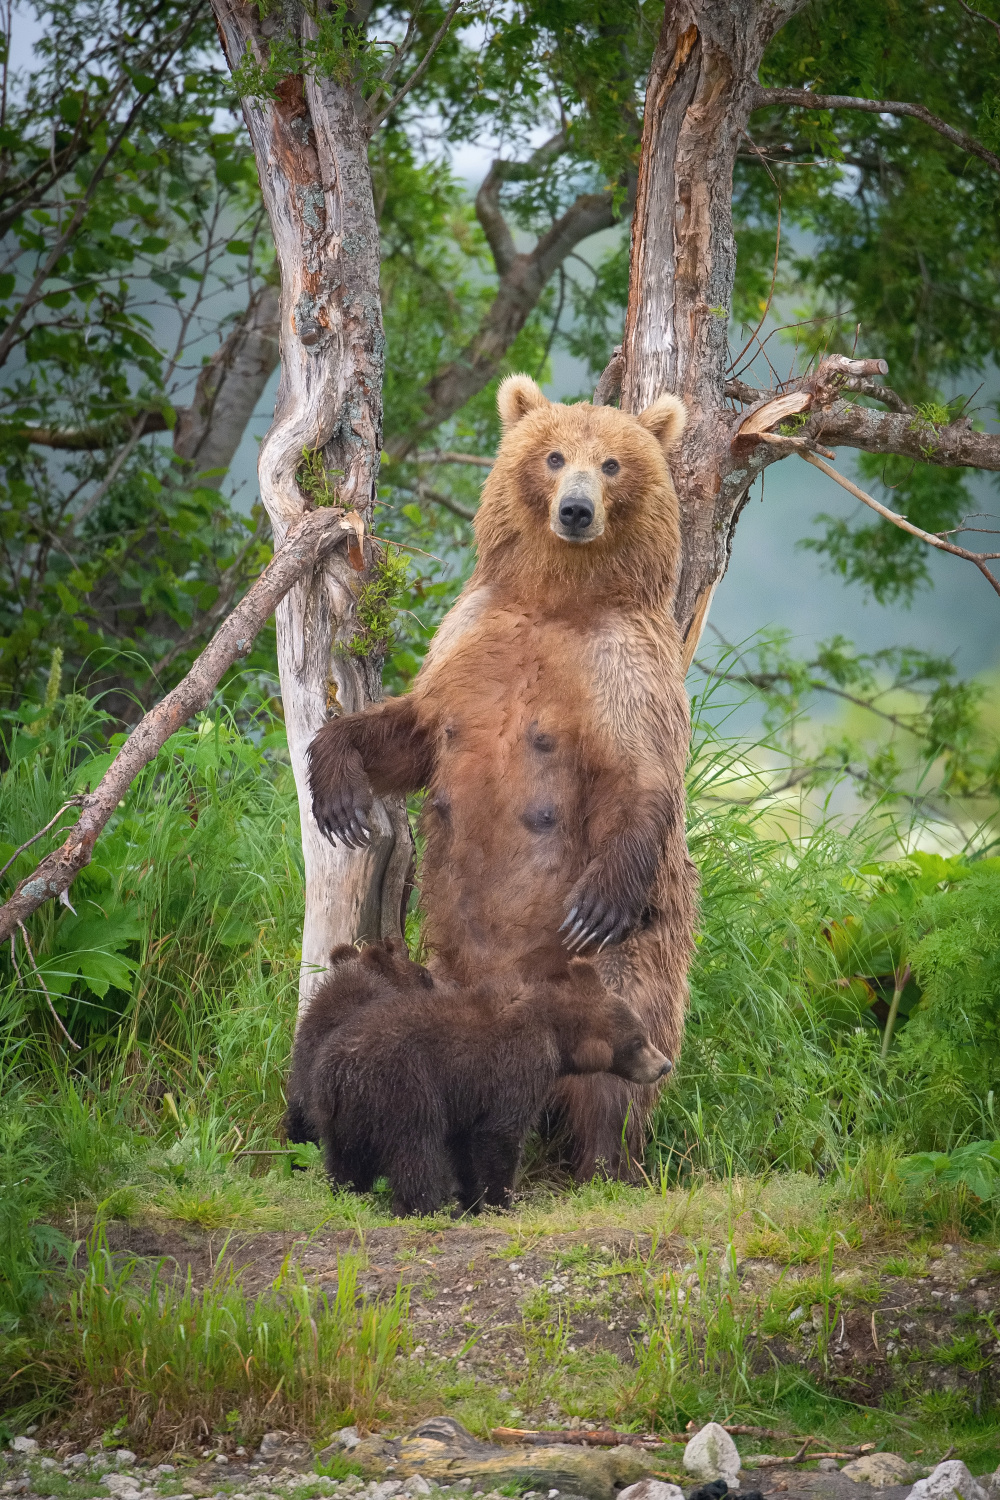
(597, 1032)
(580, 488)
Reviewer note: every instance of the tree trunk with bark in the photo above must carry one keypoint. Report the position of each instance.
(702, 90)
(311, 146)
(683, 266)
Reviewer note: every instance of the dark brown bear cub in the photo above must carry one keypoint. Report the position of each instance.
(434, 1084)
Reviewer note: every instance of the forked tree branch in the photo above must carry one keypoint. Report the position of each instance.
(311, 540)
(523, 279)
(806, 99)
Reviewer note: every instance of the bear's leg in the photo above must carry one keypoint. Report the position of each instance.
(463, 1161)
(496, 1157)
(348, 1169)
(606, 1119)
(297, 1127)
(420, 1174)
(356, 757)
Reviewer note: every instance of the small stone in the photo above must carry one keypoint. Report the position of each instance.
(125, 1458)
(220, 1458)
(164, 1469)
(947, 1481)
(22, 1444)
(417, 1485)
(828, 1466)
(120, 1484)
(30, 1431)
(712, 1454)
(271, 1444)
(797, 1315)
(49, 1463)
(241, 1452)
(77, 1461)
(387, 1489)
(651, 1489)
(346, 1437)
(879, 1470)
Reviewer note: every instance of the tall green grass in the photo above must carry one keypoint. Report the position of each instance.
(176, 976)
(144, 1352)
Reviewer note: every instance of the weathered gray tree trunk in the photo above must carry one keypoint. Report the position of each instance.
(210, 430)
(311, 149)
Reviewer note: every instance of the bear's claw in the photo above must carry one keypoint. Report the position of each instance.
(345, 824)
(596, 920)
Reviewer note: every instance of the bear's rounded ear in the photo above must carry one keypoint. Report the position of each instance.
(518, 395)
(666, 420)
(593, 1056)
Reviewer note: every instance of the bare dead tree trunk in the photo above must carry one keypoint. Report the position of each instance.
(311, 148)
(209, 431)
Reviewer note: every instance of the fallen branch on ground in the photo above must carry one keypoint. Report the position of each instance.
(608, 1438)
(307, 544)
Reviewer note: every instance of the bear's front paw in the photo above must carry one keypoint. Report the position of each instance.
(597, 918)
(343, 812)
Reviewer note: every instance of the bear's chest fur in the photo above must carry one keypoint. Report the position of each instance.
(510, 708)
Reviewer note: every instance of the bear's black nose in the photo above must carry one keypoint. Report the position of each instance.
(575, 513)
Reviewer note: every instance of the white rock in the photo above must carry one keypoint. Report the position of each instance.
(879, 1470)
(125, 1458)
(23, 1444)
(947, 1481)
(711, 1454)
(77, 1460)
(387, 1489)
(164, 1469)
(49, 1463)
(220, 1458)
(651, 1489)
(346, 1437)
(122, 1485)
(271, 1443)
(416, 1485)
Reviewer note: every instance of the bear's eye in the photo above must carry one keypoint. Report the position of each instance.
(610, 466)
(555, 461)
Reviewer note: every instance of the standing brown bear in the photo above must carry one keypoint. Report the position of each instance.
(549, 724)
(435, 1084)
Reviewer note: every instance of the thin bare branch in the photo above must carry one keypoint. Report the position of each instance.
(38, 974)
(438, 498)
(904, 525)
(73, 802)
(806, 99)
(449, 456)
(419, 70)
(978, 14)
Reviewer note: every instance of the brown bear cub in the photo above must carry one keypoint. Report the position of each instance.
(549, 724)
(435, 1085)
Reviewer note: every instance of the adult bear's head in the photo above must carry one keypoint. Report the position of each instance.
(581, 493)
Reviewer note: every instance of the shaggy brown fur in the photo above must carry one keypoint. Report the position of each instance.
(434, 1084)
(549, 724)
